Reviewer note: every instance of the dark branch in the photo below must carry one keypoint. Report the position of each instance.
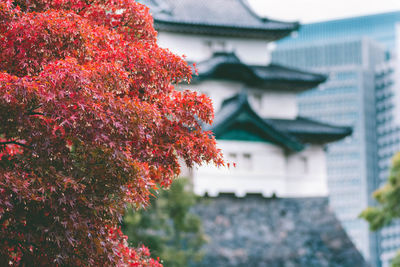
(32, 111)
(14, 143)
(35, 113)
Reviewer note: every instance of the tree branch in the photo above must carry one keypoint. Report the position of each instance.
(35, 113)
(14, 143)
(32, 111)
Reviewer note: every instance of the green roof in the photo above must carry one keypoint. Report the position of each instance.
(311, 131)
(227, 66)
(236, 120)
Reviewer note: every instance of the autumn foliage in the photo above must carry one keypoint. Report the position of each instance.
(90, 121)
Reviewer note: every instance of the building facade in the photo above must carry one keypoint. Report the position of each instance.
(255, 101)
(379, 27)
(387, 90)
(257, 124)
(350, 51)
(258, 128)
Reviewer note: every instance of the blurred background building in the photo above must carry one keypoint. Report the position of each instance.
(360, 57)
(257, 124)
(277, 152)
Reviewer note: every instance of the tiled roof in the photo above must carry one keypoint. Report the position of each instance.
(216, 17)
(310, 131)
(227, 66)
(236, 113)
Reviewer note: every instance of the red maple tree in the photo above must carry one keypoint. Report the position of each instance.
(90, 121)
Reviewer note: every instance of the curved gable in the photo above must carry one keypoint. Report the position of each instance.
(238, 121)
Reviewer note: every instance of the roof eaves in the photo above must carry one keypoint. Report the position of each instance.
(331, 133)
(222, 30)
(295, 26)
(261, 76)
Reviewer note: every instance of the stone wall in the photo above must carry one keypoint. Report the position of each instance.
(256, 231)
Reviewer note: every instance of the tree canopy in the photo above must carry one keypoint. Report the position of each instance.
(90, 122)
(388, 199)
(167, 227)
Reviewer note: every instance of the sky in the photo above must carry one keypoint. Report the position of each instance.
(307, 11)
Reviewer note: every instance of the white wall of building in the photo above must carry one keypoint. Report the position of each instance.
(260, 167)
(274, 104)
(218, 91)
(264, 168)
(306, 172)
(197, 47)
(267, 103)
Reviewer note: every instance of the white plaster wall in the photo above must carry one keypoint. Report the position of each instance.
(267, 103)
(308, 166)
(270, 172)
(274, 104)
(218, 91)
(200, 47)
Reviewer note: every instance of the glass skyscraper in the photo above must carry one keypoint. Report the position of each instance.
(387, 104)
(380, 27)
(350, 51)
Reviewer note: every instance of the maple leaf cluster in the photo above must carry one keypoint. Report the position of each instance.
(90, 121)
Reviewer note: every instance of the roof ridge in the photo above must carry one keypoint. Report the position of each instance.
(219, 18)
(160, 7)
(263, 19)
(251, 11)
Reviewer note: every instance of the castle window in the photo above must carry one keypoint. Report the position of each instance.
(247, 161)
(232, 156)
(215, 46)
(258, 100)
(304, 164)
